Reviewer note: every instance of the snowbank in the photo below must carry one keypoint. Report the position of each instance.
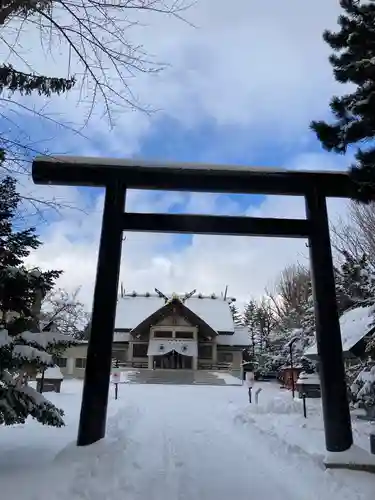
(277, 414)
(279, 406)
(355, 457)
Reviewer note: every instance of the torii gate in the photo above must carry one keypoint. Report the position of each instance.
(116, 176)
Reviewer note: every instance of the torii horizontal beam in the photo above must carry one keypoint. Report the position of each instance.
(137, 174)
(212, 224)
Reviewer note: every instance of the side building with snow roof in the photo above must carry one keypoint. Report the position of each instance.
(356, 325)
(169, 332)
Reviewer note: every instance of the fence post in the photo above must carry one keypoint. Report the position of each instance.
(372, 443)
(304, 405)
(257, 392)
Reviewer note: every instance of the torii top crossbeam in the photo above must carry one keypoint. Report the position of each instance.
(139, 174)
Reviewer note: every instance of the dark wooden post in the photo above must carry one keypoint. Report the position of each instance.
(292, 368)
(99, 352)
(336, 415)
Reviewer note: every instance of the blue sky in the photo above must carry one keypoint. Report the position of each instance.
(168, 140)
(241, 88)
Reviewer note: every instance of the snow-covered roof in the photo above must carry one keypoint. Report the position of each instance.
(308, 379)
(354, 325)
(215, 312)
(239, 338)
(132, 310)
(121, 337)
(52, 373)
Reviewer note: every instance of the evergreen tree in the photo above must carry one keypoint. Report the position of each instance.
(307, 365)
(235, 314)
(24, 349)
(308, 323)
(264, 348)
(266, 324)
(355, 282)
(85, 334)
(305, 335)
(353, 62)
(250, 319)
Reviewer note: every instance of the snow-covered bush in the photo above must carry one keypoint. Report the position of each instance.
(23, 355)
(363, 390)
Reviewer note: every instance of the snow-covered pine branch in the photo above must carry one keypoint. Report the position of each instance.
(25, 349)
(363, 390)
(19, 401)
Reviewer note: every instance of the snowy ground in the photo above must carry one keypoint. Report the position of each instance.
(228, 378)
(290, 425)
(180, 443)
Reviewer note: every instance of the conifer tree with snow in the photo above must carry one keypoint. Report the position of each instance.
(250, 320)
(306, 333)
(353, 63)
(24, 349)
(235, 314)
(355, 282)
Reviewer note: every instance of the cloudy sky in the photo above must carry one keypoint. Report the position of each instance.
(243, 81)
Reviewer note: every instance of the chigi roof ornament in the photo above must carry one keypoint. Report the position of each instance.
(161, 294)
(175, 296)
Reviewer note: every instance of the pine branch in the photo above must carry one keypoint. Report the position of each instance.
(353, 61)
(24, 8)
(26, 83)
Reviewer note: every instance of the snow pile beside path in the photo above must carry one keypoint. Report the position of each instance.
(353, 456)
(280, 416)
(279, 405)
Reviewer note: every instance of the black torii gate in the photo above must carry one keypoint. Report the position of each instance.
(119, 175)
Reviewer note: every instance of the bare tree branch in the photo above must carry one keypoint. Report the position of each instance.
(356, 234)
(65, 311)
(96, 33)
(290, 295)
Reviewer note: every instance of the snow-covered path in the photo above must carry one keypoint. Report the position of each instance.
(179, 451)
(184, 443)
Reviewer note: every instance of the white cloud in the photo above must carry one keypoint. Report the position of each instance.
(257, 67)
(247, 265)
(249, 63)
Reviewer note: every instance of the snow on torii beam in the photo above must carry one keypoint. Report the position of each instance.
(118, 175)
(138, 174)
